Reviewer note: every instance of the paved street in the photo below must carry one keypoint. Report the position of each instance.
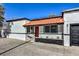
(35, 49)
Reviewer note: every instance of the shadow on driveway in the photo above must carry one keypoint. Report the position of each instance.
(9, 44)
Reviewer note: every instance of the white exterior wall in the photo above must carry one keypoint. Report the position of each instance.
(17, 30)
(17, 36)
(51, 36)
(69, 18)
(17, 26)
(24, 37)
(57, 36)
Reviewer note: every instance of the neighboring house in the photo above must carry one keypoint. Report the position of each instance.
(16, 30)
(65, 28)
(45, 29)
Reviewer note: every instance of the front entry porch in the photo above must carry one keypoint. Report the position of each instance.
(47, 33)
(49, 29)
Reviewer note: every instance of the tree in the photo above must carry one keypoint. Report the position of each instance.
(1, 20)
(1, 14)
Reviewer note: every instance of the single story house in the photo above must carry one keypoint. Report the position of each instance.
(45, 29)
(15, 28)
(64, 28)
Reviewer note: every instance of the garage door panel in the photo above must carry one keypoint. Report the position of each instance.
(75, 35)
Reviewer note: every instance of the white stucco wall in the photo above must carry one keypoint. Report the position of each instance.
(17, 26)
(69, 18)
(17, 36)
(51, 36)
(24, 37)
(56, 36)
(17, 29)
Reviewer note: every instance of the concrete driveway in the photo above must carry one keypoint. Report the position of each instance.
(9, 44)
(37, 49)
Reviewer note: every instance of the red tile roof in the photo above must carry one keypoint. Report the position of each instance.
(45, 21)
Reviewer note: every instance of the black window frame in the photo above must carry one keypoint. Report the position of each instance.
(45, 31)
(50, 29)
(28, 29)
(55, 30)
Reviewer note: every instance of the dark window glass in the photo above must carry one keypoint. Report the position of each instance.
(54, 29)
(28, 29)
(47, 29)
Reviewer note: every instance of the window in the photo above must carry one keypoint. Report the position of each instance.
(32, 29)
(51, 29)
(60, 29)
(28, 29)
(54, 29)
(47, 29)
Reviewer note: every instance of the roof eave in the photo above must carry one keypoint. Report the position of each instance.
(42, 24)
(71, 10)
(18, 19)
(46, 18)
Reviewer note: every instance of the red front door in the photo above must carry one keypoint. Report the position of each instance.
(36, 31)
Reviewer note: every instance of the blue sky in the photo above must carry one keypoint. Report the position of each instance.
(35, 10)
